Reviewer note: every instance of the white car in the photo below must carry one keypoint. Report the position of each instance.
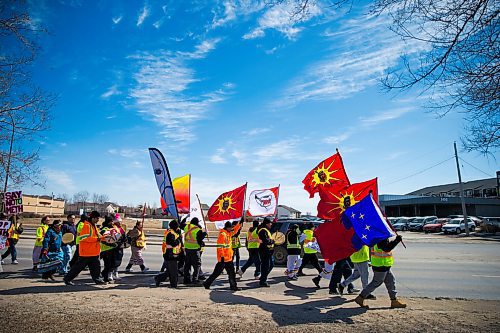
(456, 226)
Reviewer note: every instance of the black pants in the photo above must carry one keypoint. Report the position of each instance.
(310, 258)
(94, 267)
(108, 258)
(48, 274)
(118, 257)
(219, 267)
(11, 250)
(193, 259)
(236, 258)
(253, 258)
(266, 265)
(342, 268)
(170, 273)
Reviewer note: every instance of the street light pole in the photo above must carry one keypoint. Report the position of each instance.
(464, 210)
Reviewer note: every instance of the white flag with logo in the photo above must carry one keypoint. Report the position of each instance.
(196, 211)
(263, 202)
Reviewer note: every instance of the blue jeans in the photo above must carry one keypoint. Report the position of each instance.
(67, 249)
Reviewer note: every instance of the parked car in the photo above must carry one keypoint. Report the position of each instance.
(477, 221)
(457, 226)
(402, 223)
(436, 225)
(490, 224)
(282, 226)
(418, 223)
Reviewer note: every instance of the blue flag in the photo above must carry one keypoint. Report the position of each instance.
(368, 222)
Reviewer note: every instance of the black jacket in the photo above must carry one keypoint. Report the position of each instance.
(172, 241)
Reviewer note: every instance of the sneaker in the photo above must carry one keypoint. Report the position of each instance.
(206, 286)
(341, 289)
(51, 278)
(256, 277)
(116, 276)
(353, 290)
(145, 270)
(14, 262)
(99, 281)
(239, 272)
(293, 278)
(333, 292)
(372, 297)
(202, 278)
(35, 269)
(316, 281)
(3, 262)
(157, 281)
(68, 283)
(300, 274)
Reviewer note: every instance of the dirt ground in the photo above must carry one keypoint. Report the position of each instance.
(31, 305)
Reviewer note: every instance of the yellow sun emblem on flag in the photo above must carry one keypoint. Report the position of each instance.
(344, 201)
(225, 204)
(322, 175)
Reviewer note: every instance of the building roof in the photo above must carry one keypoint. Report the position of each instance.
(290, 209)
(455, 187)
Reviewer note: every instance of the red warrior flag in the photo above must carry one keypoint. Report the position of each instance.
(327, 175)
(228, 206)
(334, 202)
(337, 240)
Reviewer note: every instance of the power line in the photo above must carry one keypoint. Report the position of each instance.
(487, 174)
(421, 171)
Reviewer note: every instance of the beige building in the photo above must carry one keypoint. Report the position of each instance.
(42, 205)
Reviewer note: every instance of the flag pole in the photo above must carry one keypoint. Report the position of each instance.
(202, 216)
(277, 198)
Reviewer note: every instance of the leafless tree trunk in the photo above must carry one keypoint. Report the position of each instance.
(24, 108)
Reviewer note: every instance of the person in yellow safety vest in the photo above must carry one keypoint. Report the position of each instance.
(137, 245)
(236, 245)
(225, 256)
(193, 242)
(252, 245)
(171, 252)
(382, 261)
(40, 235)
(293, 260)
(89, 250)
(310, 254)
(107, 253)
(79, 227)
(360, 261)
(266, 250)
(13, 233)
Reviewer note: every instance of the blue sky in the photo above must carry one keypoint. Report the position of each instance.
(232, 92)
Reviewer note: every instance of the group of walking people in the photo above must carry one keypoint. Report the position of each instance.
(68, 248)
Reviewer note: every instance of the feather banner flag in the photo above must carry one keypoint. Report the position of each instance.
(263, 202)
(182, 190)
(327, 175)
(164, 182)
(228, 206)
(334, 202)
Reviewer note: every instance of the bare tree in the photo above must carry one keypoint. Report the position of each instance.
(460, 69)
(23, 106)
(95, 199)
(66, 197)
(102, 198)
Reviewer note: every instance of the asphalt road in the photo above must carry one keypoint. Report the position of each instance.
(430, 266)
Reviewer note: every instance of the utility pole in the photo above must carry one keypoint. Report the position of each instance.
(464, 210)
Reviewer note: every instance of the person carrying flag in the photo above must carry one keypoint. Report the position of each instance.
(225, 256)
(193, 242)
(382, 261)
(310, 254)
(252, 245)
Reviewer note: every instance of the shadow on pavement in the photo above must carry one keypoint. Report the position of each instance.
(317, 311)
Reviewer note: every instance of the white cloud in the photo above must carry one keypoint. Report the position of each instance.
(285, 149)
(229, 15)
(256, 131)
(162, 93)
(278, 17)
(113, 90)
(117, 19)
(126, 153)
(231, 9)
(60, 179)
(143, 15)
(363, 50)
(385, 116)
(217, 157)
(336, 139)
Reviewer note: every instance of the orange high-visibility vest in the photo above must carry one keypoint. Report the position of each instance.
(224, 247)
(90, 245)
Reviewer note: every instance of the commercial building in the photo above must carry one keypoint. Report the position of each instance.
(481, 199)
